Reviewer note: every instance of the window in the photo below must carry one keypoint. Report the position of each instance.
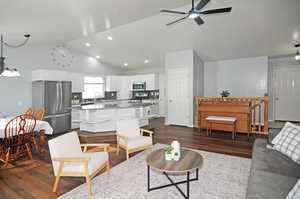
(93, 87)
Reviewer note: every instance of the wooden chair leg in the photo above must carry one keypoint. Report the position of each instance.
(88, 179)
(28, 151)
(89, 185)
(57, 178)
(108, 167)
(36, 145)
(127, 154)
(42, 141)
(118, 149)
(6, 158)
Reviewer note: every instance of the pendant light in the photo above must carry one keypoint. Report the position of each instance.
(5, 71)
(297, 56)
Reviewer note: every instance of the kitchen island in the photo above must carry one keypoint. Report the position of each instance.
(103, 117)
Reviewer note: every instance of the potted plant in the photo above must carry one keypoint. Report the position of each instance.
(225, 93)
(168, 152)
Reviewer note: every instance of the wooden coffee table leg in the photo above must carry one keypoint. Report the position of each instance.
(42, 141)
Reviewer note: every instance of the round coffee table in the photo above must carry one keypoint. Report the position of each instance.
(190, 161)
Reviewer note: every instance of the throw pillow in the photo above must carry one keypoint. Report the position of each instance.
(278, 136)
(294, 192)
(289, 143)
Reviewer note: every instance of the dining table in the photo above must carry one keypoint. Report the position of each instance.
(42, 128)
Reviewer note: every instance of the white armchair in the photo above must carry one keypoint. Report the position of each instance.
(130, 137)
(69, 160)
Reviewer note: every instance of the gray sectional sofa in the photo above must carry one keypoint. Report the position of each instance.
(272, 174)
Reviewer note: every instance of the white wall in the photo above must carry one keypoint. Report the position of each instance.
(156, 70)
(16, 92)
(247, 77)
(198, 84)
(211, 79)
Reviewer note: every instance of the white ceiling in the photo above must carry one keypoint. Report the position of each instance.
(253, 28)
(56, 21)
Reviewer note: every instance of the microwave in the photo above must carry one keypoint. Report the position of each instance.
(139, 86)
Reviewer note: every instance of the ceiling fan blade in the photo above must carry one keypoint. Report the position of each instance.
(178, 20)
(173, 12)
(216, 11)
(201, 4)
(199, 21)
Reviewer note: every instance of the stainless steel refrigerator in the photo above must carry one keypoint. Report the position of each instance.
(55, 97)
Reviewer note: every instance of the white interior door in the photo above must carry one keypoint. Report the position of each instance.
(287, 93)
(178, 97)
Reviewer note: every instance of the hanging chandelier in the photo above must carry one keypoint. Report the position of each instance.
(5, 71)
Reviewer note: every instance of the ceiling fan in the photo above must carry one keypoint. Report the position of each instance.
(195, 12)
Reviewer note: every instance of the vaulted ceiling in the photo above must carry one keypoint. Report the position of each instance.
(253, 28)
(57, 21)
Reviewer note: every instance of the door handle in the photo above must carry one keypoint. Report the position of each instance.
(276, 98)
(170, 101)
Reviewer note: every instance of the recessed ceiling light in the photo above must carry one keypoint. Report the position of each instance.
(109, 38)
(97, 56)
(146, 61)
(125, 64)
(87, 44)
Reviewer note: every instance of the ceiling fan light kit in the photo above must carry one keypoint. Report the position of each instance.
(193, 15)
(196, 12)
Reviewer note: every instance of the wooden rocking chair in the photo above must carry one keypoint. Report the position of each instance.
(17, 137)
(38, 116)
(30, 111)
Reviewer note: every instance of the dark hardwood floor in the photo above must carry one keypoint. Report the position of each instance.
(34, 179)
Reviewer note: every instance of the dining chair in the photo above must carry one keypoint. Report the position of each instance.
(40, 114)
(17, 138)
(29, 111)
(130, 137)
(68, 159)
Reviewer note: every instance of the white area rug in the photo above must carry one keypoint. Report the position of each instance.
(221, 177)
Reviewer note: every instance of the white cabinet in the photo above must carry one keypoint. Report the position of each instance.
(125, 88)
(123, 84)
(77, 82)
(57, 75)
(150, 82)
(113, 83)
